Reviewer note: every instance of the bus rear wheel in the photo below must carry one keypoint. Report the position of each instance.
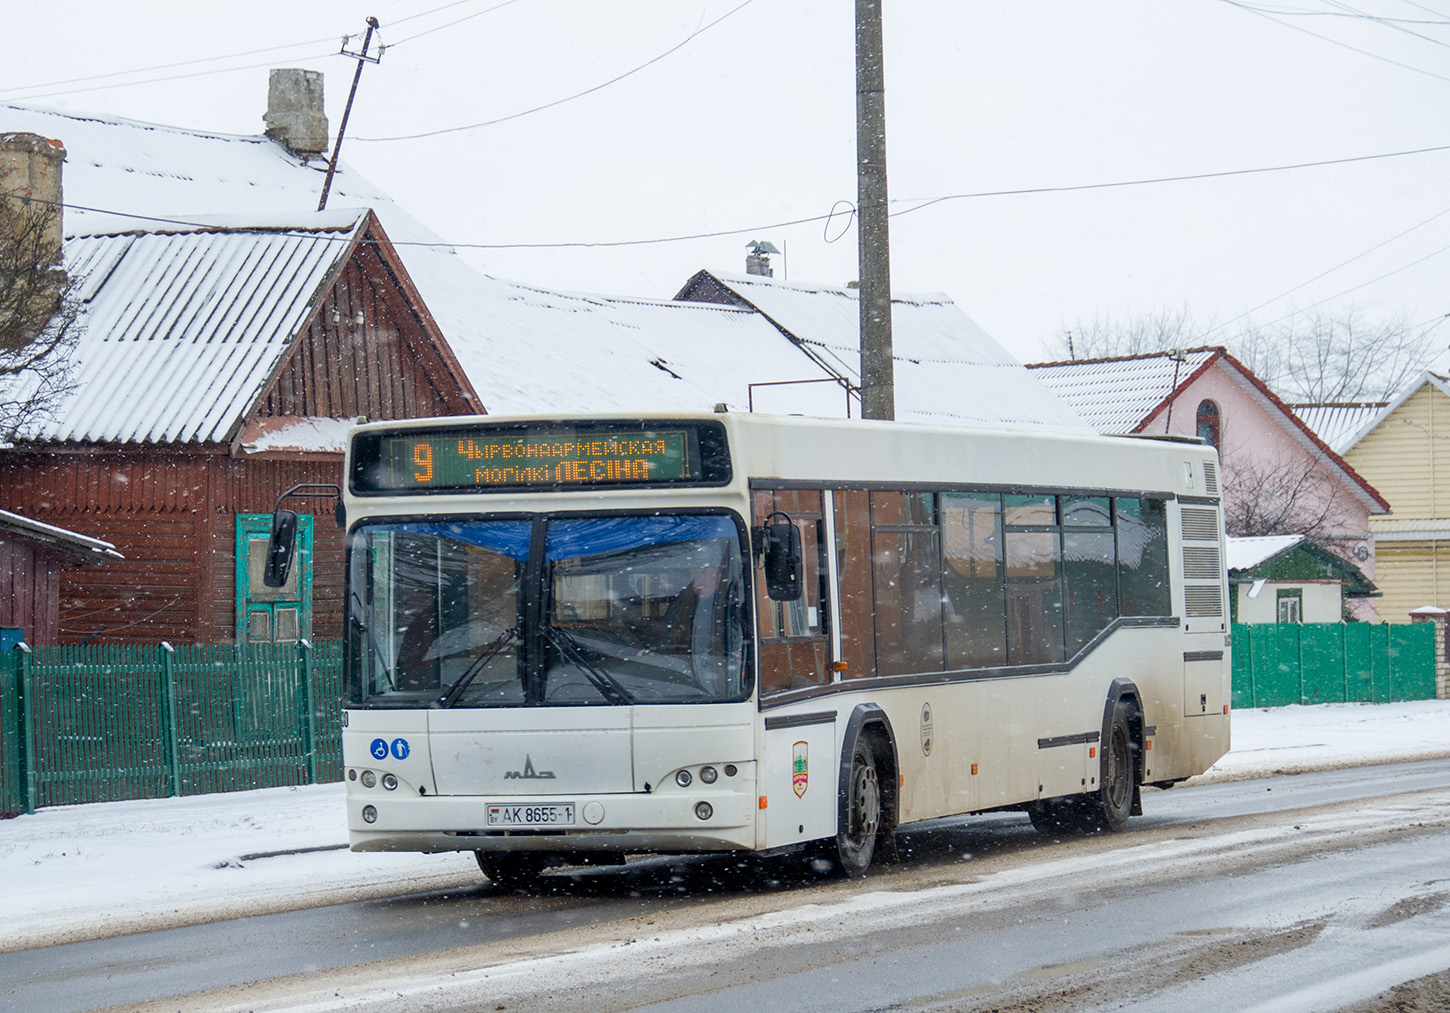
(511, 870)
(1106, 809)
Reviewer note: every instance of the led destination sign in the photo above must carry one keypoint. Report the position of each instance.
(479, 458)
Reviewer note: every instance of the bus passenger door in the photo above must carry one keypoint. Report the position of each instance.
(799, 778)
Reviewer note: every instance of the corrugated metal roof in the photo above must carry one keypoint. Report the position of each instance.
(84, 547)
(947, 369)
(526, 349)
(1247, 553)
(1337, 424)
(177, 333)
(1117, 395)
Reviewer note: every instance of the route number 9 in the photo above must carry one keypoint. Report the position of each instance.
(423, 458)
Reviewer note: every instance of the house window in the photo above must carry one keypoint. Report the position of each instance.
(1291, 605)
(1208, 422)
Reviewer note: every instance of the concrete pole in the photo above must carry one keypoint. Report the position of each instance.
(878, 398)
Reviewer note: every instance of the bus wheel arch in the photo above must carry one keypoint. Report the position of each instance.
(868, 793)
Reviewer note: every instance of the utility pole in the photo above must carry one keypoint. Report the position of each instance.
(361, 58)
(878, 397)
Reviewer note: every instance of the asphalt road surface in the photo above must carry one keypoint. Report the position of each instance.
(1315, 891)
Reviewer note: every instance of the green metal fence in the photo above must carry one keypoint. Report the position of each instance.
(99, 723)
(1278, 664)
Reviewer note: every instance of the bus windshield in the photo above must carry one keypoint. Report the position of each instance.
(559, 611)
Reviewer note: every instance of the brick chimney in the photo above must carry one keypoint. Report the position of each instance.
(295, 117)
(30, 178)
(30, 227)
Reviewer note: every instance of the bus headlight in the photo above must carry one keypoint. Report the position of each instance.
(708, 774)
(370, 813)
(704, 810)
(369, 779)
(390, 782)
(683, 778)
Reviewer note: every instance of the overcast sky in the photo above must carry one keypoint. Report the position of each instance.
(750, 123)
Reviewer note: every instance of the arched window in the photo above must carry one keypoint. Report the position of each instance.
(1208, 422)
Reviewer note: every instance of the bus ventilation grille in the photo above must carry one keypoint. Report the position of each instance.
(1202, 602)
(1210, 478)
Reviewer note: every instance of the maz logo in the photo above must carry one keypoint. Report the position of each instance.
(529, 773)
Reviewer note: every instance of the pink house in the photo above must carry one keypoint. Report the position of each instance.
(1277, 476)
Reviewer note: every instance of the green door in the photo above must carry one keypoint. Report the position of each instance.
(272, 615)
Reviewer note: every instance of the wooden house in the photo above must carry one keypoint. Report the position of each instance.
(32, 558)
(1289, 579)
(1404, 449)
(215, 368)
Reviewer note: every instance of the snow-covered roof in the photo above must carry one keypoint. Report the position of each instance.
(1247, 553)
(527, 349)
(947, 369)
(1336, 424)
(178, 333)
(83, 547)
(1118, 395)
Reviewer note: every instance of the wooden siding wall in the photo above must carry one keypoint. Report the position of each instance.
(1400, 456)
(172, 515)
(29, 587)
(383, 368)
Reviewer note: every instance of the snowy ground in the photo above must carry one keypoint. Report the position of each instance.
(79, 872)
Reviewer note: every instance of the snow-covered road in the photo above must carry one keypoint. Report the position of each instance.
(90, 871)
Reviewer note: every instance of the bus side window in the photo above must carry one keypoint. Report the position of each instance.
(853, 575)
(792, 634)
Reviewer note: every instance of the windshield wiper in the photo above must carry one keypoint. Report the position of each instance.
(569, 647)
(489, 652)
(373, 646)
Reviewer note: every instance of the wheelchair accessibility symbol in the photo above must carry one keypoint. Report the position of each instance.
(379, 749)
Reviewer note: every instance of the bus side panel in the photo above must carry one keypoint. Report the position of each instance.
(800, 769)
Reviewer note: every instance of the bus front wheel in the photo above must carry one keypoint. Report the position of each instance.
(856, 841)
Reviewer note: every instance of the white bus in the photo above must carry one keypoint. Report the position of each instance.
(575, 639)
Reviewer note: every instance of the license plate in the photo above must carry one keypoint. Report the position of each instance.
(559, 814)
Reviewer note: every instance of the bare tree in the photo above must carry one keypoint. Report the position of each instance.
(1321, 357)
(1106, 336)
(38, 317)
(1263, 497)
(1313, 357)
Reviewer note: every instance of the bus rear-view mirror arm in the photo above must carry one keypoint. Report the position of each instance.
(282, 545)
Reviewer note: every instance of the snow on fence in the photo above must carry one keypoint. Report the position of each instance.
(99, 723)
(1288, 663)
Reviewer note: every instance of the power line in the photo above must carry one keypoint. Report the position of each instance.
(1336, 42)
(568, 98)
(928, 202)
(1347, 12)
(161, 66)
(1356, 288)
(159, 80)
(1027, 191)
(450, 24)
(1325, 274)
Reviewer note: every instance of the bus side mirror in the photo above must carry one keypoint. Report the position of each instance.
(783, 566)
(281, 548)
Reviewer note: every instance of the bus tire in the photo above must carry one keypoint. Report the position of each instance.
(511, 870)
(1112, 803)
(856, 840)
(1106, 809)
